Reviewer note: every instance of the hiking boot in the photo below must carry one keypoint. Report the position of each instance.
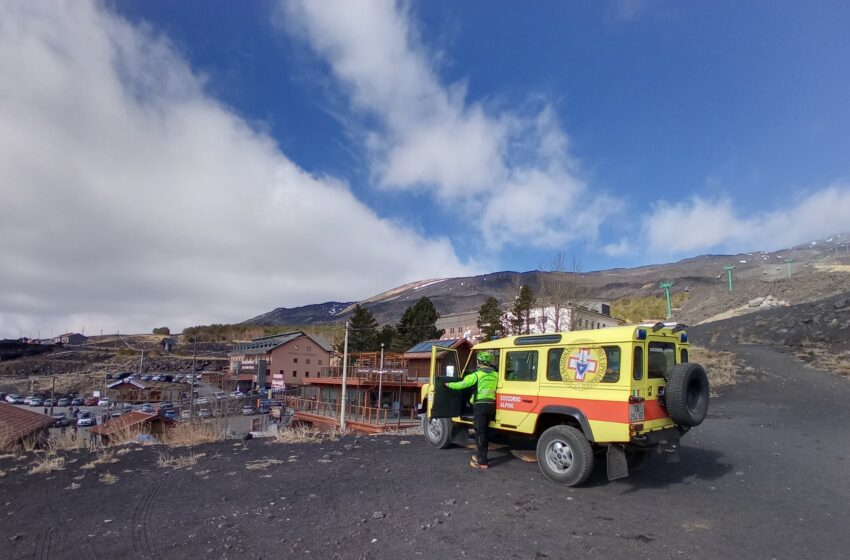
(473, 462)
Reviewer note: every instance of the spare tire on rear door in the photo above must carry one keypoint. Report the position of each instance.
(687, 394)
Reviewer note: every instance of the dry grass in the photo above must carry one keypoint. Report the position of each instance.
(46, 464)
(305, 434)
(167, 460)
(186, 434)
(68, 441)
(2, 473)
(722, 367)
(103, 458)
(108, 478)
(823, 357)
(262, 464)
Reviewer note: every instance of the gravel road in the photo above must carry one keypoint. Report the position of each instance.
(766, 476)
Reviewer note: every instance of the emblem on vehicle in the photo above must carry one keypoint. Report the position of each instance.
(583, 363)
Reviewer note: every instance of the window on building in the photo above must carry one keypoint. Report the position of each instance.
(320, 362)
(294, 373)
(309, 349)
(308, 360)
(306, 374)
(294, 360)
(521, 366)
(281, 372)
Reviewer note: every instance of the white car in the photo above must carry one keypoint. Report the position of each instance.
(86, 419)
(103, 402)
(185, 414)
(204, 413)
(237, 394)
(201, 400)
(14, 399)
(220, 395)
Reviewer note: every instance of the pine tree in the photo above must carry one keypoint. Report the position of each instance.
(522, 311)
(386, 336)
(417, 325)
(490, 319)
(363, 332)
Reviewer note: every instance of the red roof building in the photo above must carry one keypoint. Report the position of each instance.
(19, 423)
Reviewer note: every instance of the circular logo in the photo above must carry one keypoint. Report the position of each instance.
(583, 363)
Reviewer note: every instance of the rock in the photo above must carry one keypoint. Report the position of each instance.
(16, 537)
(378, 515)
(755, 302)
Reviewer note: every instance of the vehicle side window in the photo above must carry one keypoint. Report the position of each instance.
(612, 370)
(683, 353)
(553, 368)
(637, 364)
(662, 358)
(521, 366)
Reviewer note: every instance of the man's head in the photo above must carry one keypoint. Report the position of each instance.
(485, 358)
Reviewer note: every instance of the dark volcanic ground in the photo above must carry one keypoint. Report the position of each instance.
(766, 476)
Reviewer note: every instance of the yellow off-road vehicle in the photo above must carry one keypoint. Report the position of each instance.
(625, 391)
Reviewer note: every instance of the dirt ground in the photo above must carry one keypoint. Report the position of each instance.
(745, 477)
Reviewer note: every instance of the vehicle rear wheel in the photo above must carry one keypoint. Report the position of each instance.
(438, 431)
(564, 455)
(687, 394)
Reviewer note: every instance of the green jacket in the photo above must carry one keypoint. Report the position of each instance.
(485, 380)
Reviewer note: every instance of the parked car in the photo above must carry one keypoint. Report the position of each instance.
(49, 402)
(90, 401)
(237, 394)
(166, 405)
(147, 378)
(76, 401)
(116, 414)
(248, 410)
(147, 407)
(204, 413)
(60, 420)
(104, 401)
(220, 395)
(86, 419)
(170, 414)
(14, 399)
(126, 407)
(63, 402)
(201, 400)
(185, 414)
(36, 401)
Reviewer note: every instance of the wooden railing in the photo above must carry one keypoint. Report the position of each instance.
(387, 376)
(355, 413)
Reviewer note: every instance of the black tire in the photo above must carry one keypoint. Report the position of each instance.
(438, 431)
(687, 394)
(564, 455)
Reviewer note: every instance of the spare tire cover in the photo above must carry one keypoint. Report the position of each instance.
(687, 394)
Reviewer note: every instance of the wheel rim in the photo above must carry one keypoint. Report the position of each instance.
(435, 429)
(559, 455)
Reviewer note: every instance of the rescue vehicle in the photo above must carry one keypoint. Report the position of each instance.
(625, 392)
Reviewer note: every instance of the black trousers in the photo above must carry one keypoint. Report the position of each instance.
(485, 411)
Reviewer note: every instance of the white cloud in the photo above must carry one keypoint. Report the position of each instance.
(512, 167)
(129, 198)
(701, 224)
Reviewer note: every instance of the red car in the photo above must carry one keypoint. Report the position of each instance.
(90, 401)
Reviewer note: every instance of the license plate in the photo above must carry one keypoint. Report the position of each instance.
(636, 412)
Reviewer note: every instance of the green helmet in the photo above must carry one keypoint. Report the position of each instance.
(485, 357)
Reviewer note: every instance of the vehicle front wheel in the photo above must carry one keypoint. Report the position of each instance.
(564, 455)
(438, 431)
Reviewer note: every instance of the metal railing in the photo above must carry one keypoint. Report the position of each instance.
(355, 413)
(388, 376)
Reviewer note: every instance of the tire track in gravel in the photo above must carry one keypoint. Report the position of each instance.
(44, 547)
(142, 541)
(59, 513)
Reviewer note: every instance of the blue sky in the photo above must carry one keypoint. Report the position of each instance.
(287, 152)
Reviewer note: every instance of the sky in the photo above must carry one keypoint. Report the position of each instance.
(174, 163)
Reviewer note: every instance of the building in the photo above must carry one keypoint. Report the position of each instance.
(168, 344)
(279, 361)
(138, 391)
(75, 339)
(18, 425)
(130, 425)
(419, 357)
(588, 315)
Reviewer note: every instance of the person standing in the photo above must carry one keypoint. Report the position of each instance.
(483, 401)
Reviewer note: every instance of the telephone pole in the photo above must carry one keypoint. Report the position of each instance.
(344, 380)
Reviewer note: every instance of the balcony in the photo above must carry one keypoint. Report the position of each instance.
(370, 376)
(359, 418)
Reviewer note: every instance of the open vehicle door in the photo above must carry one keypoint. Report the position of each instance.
(445, 367)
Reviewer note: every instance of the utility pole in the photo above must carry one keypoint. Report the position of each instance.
(52, 394)
(788, 262)
(666, 287)
(141, 362)
(344, 380)
(729, 270)
(192, 381)
(381, 379)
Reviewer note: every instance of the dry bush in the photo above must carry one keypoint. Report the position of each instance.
(108, 478)
(823, 357)
(722, 367)
(178, 462)
(68, 441)
(262, 464)
(186, 434)
(305, 434)
(46, 464)
(125, 435)
(103, 458)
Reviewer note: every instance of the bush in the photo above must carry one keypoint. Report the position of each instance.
(164, 331)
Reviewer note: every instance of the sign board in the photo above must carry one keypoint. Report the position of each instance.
(95, 394)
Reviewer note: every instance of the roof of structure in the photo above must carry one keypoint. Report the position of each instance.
(16, 423)
(124, 422)
(138, 383)
(425, 347)
(266, 344)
